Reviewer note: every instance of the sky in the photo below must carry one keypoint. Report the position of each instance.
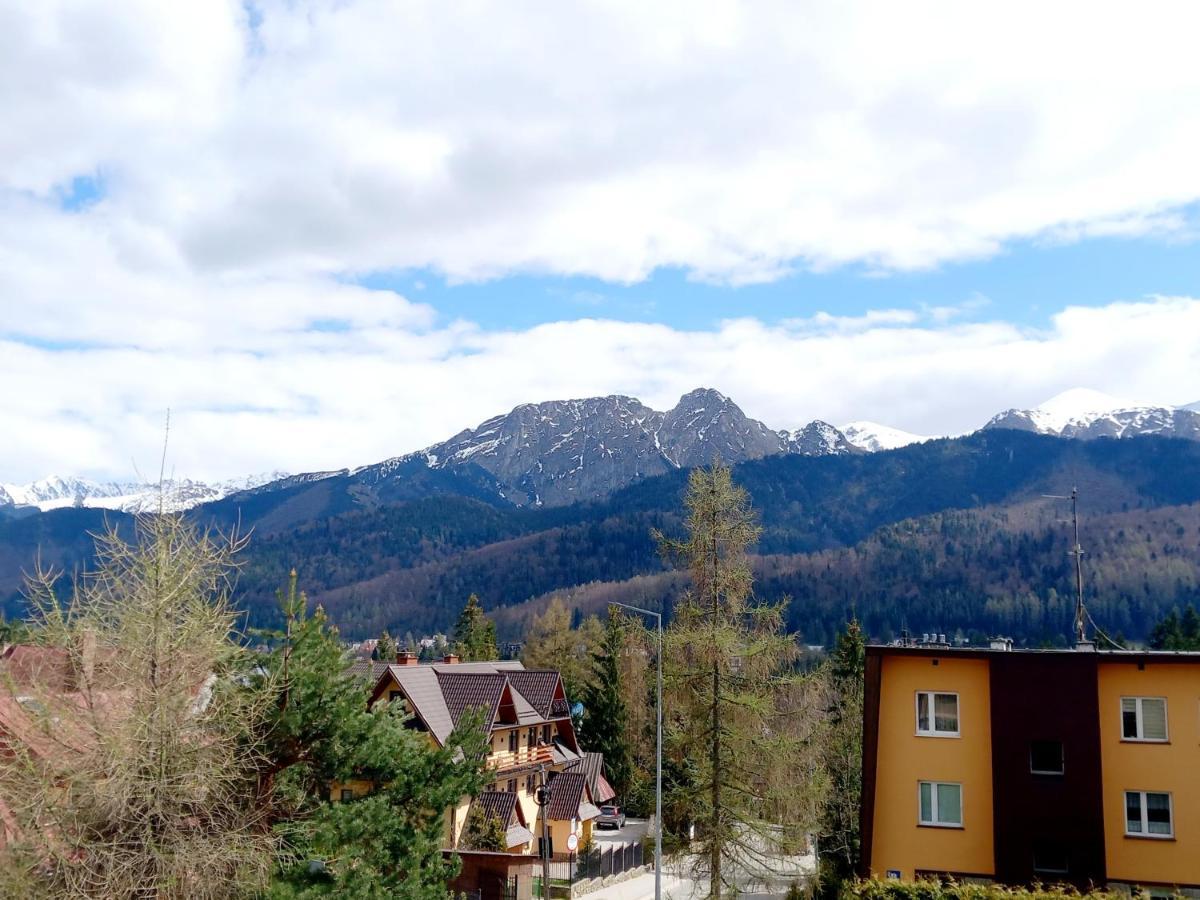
(326, 233)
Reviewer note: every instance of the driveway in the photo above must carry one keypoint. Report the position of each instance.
(634, 830)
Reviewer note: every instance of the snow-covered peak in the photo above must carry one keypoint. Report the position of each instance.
(1085, 414)
(1192, 407)
(1076, 405)
(873, 437)
(817, 438)
(58, 492)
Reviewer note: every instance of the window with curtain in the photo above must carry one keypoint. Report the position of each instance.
(940, 804)
(1148, 814)
(937, 714)
(1144, 718)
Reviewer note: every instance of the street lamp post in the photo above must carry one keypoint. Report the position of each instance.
(658, 761)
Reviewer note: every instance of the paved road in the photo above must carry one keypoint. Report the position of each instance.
(634, 830)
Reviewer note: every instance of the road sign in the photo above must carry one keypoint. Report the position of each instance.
(572, 842)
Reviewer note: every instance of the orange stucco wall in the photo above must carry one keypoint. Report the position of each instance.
(904, 759)
(1173, 767)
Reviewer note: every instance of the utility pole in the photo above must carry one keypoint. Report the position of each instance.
(658, 754)
(542, 798)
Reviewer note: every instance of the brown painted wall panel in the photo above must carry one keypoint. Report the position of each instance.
(1051, 697)
(870, 756)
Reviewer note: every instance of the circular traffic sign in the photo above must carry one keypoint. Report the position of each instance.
(572, 842)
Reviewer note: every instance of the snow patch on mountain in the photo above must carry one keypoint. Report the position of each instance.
(873, 437)
(1076, 405)
(1086, 414)
(60, 492)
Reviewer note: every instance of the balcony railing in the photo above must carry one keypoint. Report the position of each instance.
(559, 709)
(502, 760)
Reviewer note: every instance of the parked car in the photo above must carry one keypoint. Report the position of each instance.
(611, 817)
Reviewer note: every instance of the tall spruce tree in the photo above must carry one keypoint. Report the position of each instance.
(387, 843)
(839, 839)
(605, 719)
(475, 634)
(736, 710)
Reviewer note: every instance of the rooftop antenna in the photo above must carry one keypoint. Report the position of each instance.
(1077, 552)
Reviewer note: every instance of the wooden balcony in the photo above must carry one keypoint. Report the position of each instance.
(505, 760)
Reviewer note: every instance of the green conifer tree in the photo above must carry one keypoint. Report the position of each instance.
(389, 842)
(475, 634)
(839, 839)
(605, 719)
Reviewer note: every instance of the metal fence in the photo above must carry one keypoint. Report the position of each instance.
(603, 861)
(607, 860)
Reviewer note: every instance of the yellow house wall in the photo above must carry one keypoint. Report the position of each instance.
(1173, 767)
(904, 759)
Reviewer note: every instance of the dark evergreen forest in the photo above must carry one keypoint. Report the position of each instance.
(951, 536)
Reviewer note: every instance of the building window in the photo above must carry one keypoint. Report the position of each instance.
(1148, 814)
(513, 738)
(511, 787)
(395, 695)
(1046, 757)
(1050, 858)
(937, 714)
(941, 804)
(1144, 718)
(530, 786)
(546, 733)
(347, 794)
(533, 736)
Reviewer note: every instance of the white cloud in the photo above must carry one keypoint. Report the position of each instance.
(250, 175)
(606, 139)
(357, 396)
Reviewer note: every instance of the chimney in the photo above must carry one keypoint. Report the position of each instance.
(1000, 643)
(450, 659)
(406, 658)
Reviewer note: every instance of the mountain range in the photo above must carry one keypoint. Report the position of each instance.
(560, 499)
(57, 492)
(564, 451)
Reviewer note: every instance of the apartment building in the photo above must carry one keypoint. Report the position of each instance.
(532, 740)
(1074, 766)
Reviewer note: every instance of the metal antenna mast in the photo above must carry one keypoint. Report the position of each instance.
(1077, 552)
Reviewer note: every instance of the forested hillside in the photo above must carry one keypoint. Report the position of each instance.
(949, 535)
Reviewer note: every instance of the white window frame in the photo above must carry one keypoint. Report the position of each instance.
(933, 732)
(933, 804)
(1145, 832)
(1141, 728)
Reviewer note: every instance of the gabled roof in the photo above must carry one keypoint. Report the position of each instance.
(440, 693)
(464, 691)
(592, 767)
(369, 669)
(537, 686)
(503, 805)
(500, 805)
(569, 797)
